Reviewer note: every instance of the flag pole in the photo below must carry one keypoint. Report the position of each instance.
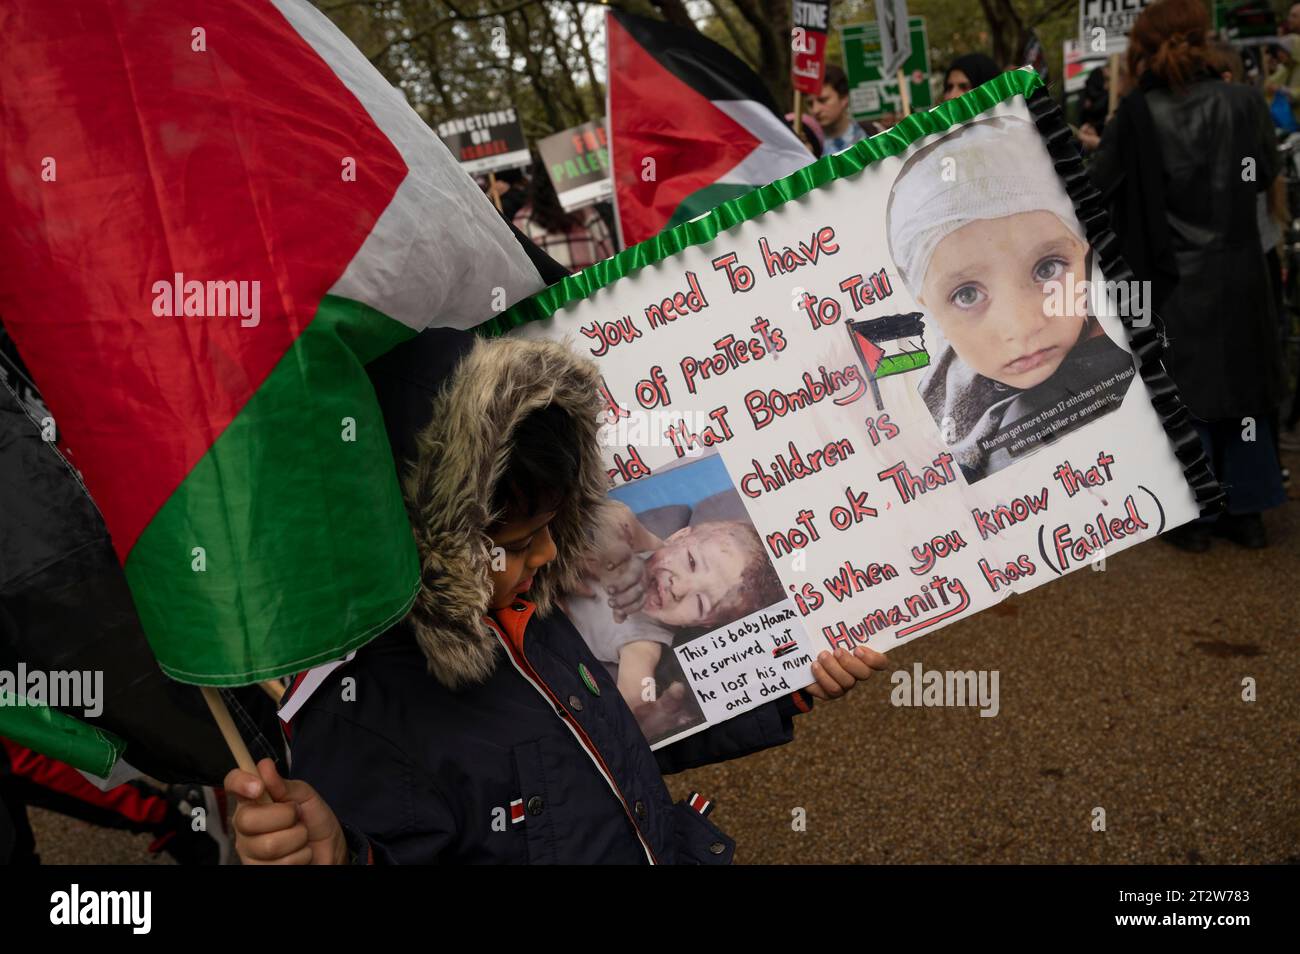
(234, 741)
(492, 187)
(1112, 81)
(904, 92)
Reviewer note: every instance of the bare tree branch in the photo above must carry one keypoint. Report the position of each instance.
(457, 17)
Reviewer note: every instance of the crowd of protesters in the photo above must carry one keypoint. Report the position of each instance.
(1185, 164)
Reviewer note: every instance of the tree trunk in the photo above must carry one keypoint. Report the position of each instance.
(1007, 30)
(771, 21)
(746, 51)
(561, 51)
(674, 11)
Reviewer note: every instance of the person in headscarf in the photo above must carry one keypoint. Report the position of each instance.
(986, 240)
(967, 72)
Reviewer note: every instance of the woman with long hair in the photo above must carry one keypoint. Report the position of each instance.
(574, 239)
(1181, 164)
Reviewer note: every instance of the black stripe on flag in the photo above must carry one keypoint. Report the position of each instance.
(710, 69)
(65, 606)
(910, 325)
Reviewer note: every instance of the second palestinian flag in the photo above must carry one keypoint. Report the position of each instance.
(890, 345)
(690, 126)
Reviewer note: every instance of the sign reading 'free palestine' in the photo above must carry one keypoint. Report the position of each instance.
(812, 24)
(577, 161)
(1107, 23)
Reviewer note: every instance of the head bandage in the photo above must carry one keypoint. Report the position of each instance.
(986, 170)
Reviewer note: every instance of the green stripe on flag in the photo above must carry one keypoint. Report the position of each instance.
(307, 548)
(898, 363)
(51, 732)
(707, 199)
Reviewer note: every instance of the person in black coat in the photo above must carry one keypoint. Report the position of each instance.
(1181, 164)
(480, 728)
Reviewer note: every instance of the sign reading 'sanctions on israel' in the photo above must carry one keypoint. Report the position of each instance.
(577, 161)
(486, 142)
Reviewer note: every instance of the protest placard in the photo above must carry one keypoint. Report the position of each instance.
(486, 142)
(895, 35)
(866, 401)
(577, 161)
(812, 24)
(873, 90)
(1104, 25)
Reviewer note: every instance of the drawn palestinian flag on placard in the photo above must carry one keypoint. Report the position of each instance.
(690, 126)
(893, 344)
(166, 156)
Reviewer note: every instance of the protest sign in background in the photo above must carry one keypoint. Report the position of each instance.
(577, 161)
(730, 336)
(1079, 62)
(895, 36)
(486, 142)
(812, 23)
(873, 92)
(1105, 24)
(1242, 19)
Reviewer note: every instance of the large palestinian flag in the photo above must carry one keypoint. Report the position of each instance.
(690, 126)
(215, 215)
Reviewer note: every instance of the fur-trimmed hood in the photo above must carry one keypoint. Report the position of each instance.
(458, 459)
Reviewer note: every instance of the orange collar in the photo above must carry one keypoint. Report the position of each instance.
(513, 620)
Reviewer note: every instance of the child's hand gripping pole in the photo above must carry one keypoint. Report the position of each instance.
(277, 821)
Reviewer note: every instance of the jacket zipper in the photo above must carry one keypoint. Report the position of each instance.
(584, 741)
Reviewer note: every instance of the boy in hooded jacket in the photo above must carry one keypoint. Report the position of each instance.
(480, 728)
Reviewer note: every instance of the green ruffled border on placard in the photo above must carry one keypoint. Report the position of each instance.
(730, 214)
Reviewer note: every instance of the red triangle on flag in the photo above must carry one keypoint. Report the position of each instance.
(871, 352)
(653, 115)
(176, 167)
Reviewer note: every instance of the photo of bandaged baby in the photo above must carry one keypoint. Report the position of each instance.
(986, 239)
(685, 562)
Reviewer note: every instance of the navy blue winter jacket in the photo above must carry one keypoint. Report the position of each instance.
(529, 767)
(464, 736)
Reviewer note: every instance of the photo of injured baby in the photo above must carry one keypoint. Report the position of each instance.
(676, 557)
(986, 239)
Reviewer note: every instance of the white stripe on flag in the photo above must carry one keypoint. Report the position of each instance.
(778, 153)
(439, 253)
